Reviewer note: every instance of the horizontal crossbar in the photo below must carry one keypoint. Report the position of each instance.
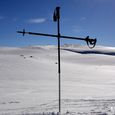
(50, 35)
(88, 40)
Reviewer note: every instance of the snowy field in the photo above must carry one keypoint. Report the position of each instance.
(29, 80)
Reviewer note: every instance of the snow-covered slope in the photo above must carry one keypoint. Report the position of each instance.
(29, 79)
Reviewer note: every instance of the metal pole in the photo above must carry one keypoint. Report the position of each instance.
(59, 67)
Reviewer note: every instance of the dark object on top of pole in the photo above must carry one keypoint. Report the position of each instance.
(56, 15)
(56, 18)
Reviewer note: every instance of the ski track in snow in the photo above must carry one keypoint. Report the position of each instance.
(29, 80)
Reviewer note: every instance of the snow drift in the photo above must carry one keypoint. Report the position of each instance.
(29, 79)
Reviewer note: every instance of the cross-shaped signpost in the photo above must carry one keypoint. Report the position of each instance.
(56, 18)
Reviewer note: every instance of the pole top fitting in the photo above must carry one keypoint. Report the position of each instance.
(56, 15)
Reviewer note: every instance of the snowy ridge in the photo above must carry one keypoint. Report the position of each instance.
(29, 80)
(85, 50)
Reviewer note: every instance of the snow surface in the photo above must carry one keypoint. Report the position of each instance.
(29, 80)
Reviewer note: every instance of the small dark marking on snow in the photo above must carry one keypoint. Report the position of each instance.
(22, 55)
(31, 56)
(12, 102)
